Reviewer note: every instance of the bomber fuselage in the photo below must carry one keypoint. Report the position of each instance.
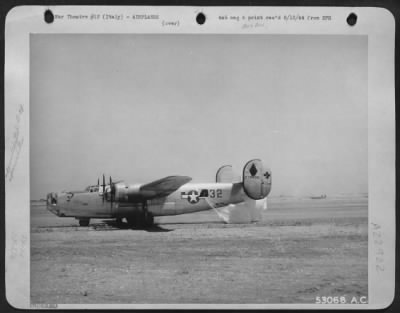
(187, 199)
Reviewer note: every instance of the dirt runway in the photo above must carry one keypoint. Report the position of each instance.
(302, 249)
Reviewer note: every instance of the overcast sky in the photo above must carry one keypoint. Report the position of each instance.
(141, 107)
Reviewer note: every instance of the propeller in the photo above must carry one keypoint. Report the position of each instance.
(111, 191)
(104, 186)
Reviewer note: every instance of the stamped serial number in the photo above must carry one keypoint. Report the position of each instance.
(44, 305)
(341, 300)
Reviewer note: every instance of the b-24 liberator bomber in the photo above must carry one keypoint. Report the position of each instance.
(172, 195)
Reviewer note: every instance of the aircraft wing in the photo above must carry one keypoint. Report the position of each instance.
(164, 186)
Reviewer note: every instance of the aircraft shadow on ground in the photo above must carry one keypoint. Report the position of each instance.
(109, 226)
(194, 223)
(154, 228)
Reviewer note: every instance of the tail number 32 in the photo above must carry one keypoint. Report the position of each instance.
(215, 193)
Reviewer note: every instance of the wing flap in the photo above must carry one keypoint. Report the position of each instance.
(164, 186)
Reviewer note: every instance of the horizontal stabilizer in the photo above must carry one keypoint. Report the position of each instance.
(164, 186)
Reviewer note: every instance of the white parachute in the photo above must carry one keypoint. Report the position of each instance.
(246, 212)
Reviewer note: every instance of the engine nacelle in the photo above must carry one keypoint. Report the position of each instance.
(256, 180)
(127, 193)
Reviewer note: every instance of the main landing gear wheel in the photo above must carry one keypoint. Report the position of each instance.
(147, 217)
(118, 221)
(140, 220)
(132, 221)
(149, 220)
(84, 222)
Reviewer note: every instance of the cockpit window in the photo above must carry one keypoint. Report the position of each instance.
(92, 188)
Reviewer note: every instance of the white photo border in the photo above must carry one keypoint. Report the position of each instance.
(376, 23)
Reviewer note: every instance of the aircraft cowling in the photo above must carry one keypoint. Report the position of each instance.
(128, 193)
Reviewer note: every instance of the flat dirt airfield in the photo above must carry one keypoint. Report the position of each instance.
(301, 249)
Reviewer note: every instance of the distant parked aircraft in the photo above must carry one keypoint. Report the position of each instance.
(172, 195)
(318, 197)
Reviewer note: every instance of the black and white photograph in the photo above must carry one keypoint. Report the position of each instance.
(198, 168)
